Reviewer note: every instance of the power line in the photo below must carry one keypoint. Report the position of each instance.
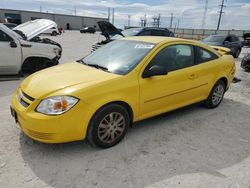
(221, 12)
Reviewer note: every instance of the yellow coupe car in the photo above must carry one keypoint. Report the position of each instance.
(98, 97)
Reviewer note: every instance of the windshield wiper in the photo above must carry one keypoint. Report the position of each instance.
(94, 65)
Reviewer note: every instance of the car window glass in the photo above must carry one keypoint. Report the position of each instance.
(174, 57)
(203, 55)
(157, 33)
(228, 39)
(166, 33)
(235, 39)
(145, 33)
(4, 37)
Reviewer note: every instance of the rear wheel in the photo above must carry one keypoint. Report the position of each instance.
(216, 95)
(108, 126)
(54, 33)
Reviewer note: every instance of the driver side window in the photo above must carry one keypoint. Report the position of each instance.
(4, 37)
(174, 57)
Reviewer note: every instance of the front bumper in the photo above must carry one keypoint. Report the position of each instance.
(70, 126)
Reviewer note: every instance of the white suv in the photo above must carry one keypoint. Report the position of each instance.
(52, 31)
(21, 49)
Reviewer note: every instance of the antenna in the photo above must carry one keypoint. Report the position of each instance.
(204, 16)
(221, 12)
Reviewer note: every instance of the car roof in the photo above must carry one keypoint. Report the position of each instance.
(156, 39)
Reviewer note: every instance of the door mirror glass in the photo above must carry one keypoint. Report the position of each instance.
(155, 70)
(226, 42)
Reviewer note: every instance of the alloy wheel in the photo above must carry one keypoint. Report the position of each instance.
(111, 127)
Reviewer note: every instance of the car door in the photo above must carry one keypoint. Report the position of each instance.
(179, 87)
(10, 53)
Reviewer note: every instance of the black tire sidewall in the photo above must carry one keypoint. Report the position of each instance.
(92, 134)
(209, 102)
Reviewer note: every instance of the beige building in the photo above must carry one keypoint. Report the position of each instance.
(64, 21)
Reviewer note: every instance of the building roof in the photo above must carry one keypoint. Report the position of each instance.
(51, 13)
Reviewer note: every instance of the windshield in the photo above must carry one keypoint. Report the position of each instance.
(119, 57)
(215, 38)
(127, 33)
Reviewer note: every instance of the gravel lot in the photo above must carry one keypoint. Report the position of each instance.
(190, 147)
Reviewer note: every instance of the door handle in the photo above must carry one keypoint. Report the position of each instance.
(193, 76)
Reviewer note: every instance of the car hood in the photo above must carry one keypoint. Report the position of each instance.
(108, 29)
(33, 28)
(51, 80)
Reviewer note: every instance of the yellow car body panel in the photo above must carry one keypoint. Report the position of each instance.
(95, 88)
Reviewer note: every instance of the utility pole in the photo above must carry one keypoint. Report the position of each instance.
(75, 10)
(129, 17)
(221, 12)
(178, 23)
(113, 17)
(41, 8)
(109, 14)
(171, 20)
(204, 16)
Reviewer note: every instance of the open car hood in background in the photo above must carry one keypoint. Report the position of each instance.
(108, 29)
(33, 28)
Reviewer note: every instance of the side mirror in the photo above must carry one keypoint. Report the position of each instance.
(155, 70)
(13, 44)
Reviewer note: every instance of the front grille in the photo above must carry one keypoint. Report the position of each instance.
(25, 104)
(21, 96)
(28, 97)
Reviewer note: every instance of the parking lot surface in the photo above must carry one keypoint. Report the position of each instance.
(190, 147)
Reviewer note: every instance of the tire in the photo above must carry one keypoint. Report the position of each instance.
(237, 53)
(54, 33)
(110, 121)
(216, 95)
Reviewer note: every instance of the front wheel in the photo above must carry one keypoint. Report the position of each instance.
(216, 95)
(108, 126)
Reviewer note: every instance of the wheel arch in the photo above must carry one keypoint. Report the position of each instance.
(125, 105)
(225, 80)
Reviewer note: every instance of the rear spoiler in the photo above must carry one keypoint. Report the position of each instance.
(222, 50)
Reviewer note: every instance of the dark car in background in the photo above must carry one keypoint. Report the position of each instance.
(229, 41)
(88, 30)
(111, 33)
(246, 38)
(245, 63)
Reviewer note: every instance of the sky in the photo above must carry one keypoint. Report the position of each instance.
(190, 13)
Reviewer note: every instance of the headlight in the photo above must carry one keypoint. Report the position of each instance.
(56, 51)
(56, 105)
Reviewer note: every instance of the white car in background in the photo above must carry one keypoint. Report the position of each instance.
(22, 50)
(52, 31)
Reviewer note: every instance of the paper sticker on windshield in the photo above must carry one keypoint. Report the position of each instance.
(144, 46)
